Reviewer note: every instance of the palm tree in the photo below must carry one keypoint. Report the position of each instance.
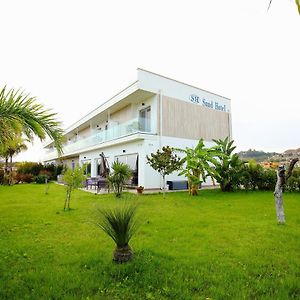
(121, 174)
(13, 146)
(20, 112)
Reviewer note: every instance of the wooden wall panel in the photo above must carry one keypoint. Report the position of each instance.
(192, 121)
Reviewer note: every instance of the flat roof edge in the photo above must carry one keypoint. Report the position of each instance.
(69, 128)
(181, 82)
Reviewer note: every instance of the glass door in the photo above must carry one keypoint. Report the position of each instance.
(145, 119)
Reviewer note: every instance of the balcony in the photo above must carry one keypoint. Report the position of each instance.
(140, 125)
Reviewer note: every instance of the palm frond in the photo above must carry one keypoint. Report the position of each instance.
(18, 109)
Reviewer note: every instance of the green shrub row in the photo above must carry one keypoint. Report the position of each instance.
(36, 169)
(255, 177)
(28, 172)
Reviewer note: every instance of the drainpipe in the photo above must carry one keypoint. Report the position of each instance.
(160, 129)
(160, 118)
(230, 125)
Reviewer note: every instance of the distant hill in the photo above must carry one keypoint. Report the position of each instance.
(259, 156)
(287, 156)
(291, 152)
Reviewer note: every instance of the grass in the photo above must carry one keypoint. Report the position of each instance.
(216, 245)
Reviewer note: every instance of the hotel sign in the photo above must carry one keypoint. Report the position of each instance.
(208, 103)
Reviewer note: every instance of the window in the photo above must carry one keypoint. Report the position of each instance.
(145, 119)
(132, 161)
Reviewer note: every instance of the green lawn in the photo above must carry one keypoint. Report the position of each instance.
(217, 245)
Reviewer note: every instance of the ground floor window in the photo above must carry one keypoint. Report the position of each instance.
(86, 165)
(132, 161)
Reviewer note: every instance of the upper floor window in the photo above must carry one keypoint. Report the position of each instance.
(145, 119)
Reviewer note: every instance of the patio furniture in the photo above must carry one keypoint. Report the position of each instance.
(97, 183)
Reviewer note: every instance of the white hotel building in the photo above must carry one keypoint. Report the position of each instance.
(152, 112)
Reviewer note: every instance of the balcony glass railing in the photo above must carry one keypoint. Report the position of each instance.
(116, 131)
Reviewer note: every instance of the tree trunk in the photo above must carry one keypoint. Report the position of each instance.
(281, 180)
(46, 186)
(67, 200)
(122, 254)
(278, 195)
(6, 177)
(164, 186)
(10, 180)
(194, 189)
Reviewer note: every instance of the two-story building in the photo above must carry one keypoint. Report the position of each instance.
(152, 112)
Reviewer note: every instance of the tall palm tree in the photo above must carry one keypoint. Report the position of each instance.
(20, 112)
(12, 147)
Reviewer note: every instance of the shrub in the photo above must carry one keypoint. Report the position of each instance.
(229, 167)
(121, 173)
(120, 225)
(1, 176)
(29, 168)
(73, 180)
(254, 176)
(51, 170)
(267, 180)
(41, 178)
(293, 183)
(28, 178)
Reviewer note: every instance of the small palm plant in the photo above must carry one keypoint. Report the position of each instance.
(120, 225)
(121, 174)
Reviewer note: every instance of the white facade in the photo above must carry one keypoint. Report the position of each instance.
(138, 121)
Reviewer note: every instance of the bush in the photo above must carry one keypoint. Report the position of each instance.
(120, 225)
(41, 178)
(1, 176)
(27, 178)
(267, 180)
(117, 180)
(51, 170)
(293, 183)
(29, 168)
(254, 176)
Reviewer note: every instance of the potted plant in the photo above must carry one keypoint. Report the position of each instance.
(140, 189)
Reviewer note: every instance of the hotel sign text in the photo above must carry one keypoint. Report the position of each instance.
(208, 103)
